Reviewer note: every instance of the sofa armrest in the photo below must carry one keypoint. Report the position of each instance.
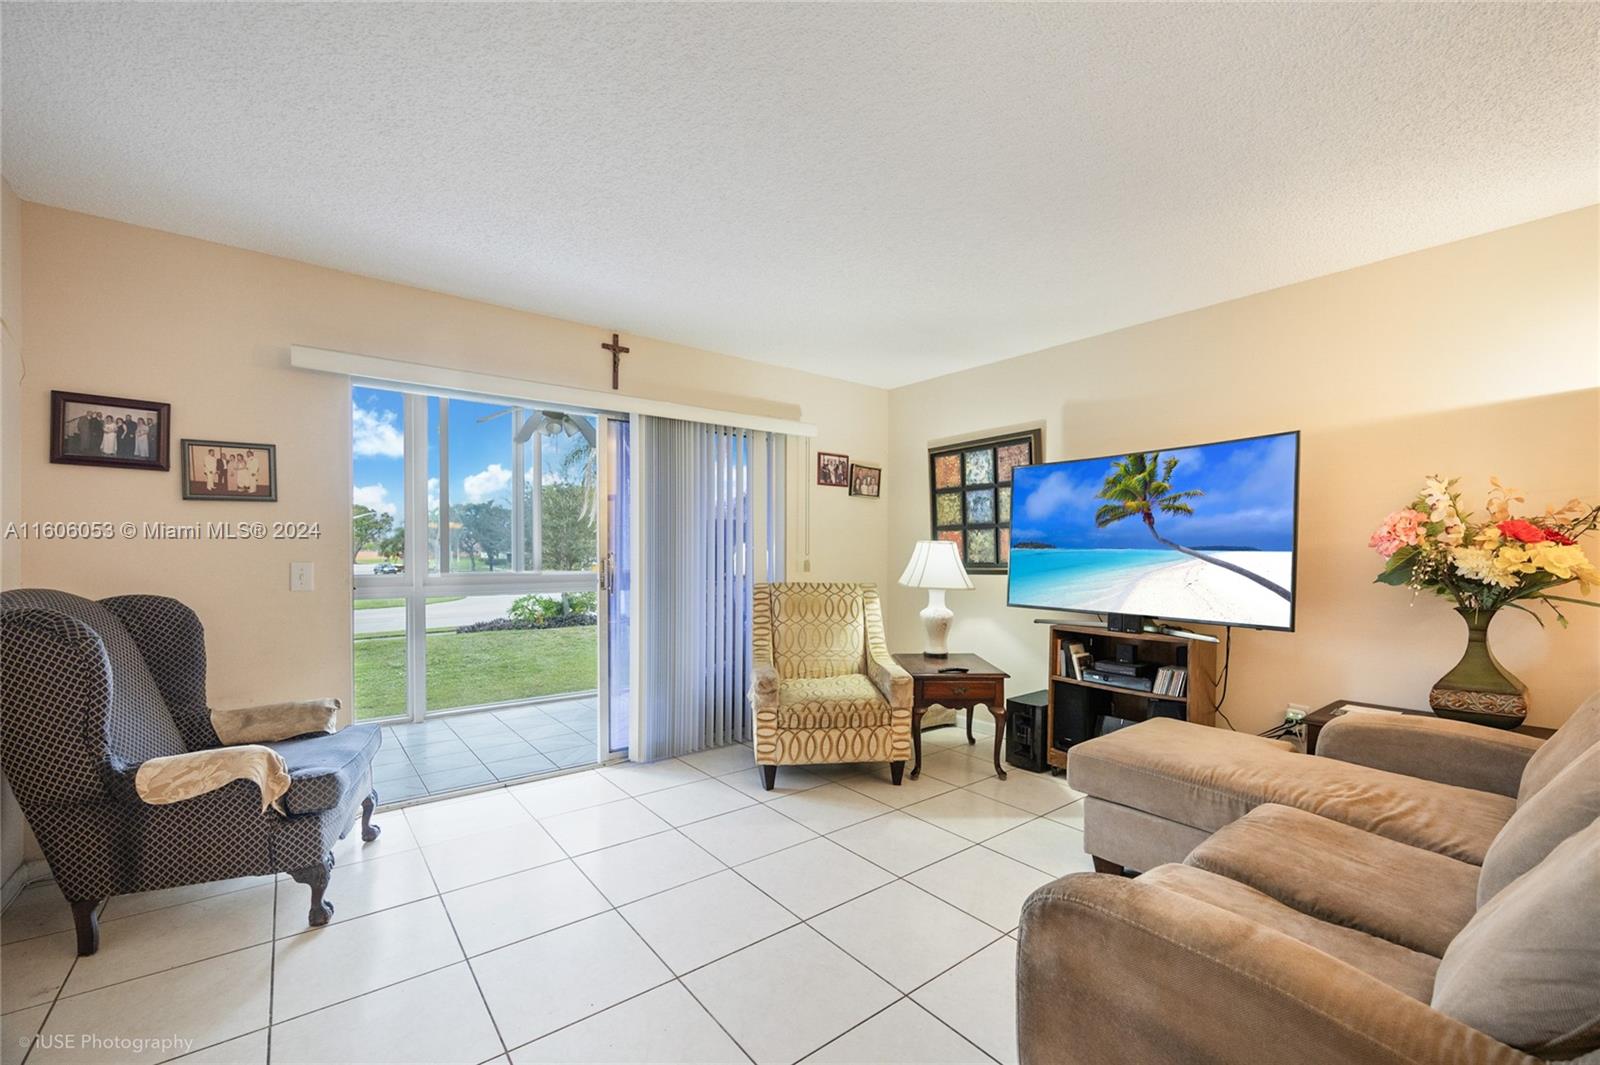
(890, 678)
(178, 777)
(1431, 748)
(1111, 970)
(271, 722)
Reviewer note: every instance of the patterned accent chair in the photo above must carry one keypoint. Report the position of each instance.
(95, 689)
(826, 689)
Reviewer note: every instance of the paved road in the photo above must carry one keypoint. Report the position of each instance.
(461, 612)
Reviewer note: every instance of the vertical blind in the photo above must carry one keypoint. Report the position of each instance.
(706, 530)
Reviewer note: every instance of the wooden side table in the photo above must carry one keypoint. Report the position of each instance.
(1318, 718)
(981, 685)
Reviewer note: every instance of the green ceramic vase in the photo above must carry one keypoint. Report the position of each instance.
(1479, 689)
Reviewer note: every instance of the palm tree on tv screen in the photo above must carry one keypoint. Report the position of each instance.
(1142, 484)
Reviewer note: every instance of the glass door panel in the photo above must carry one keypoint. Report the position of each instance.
(486, 650)
(380, 659)
(616, 586)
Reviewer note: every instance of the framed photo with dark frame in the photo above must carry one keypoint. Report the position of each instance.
(91, 430)
(970, 495)
(833, 470)
(866, 480)
(221, 469)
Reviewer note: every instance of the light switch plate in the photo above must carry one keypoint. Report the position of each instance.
(302, 576)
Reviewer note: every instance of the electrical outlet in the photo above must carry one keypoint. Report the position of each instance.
(302, 576)
(1295, 713)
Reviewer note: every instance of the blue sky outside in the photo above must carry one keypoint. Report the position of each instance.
(1249, 500)
(480, 453)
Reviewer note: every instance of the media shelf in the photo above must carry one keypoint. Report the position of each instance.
(1077, 708)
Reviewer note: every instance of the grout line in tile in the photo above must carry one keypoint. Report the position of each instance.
(498, 1034)
(369, 991)
(272, 964)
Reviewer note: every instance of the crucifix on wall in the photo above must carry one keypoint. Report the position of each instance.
(617, 352)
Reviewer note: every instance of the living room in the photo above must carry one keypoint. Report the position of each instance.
(627, 359)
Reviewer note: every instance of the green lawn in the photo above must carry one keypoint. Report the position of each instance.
(479, 667)
(375, 604)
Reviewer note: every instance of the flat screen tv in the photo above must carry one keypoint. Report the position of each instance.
(1197, 534)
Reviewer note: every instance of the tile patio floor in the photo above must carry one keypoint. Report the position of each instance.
(469, 750)
(666, 912)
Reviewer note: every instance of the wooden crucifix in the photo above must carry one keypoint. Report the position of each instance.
(617, 352)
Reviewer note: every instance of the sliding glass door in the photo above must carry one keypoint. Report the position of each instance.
(480, 623)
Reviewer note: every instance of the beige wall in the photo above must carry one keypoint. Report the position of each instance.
(1476, 358)
(126, 311)
(16, 842)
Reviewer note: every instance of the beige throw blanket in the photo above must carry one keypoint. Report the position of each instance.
(184, 776)
(274, 721)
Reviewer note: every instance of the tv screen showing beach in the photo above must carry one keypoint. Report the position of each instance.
(1202, 534)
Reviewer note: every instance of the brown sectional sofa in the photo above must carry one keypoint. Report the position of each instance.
(1419, 891)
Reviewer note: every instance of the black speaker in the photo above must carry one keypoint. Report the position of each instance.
(1126, 622)
(1127, 653)
(1077, 708)
(1027, 731)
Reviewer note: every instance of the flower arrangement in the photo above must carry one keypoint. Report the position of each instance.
(1500, 561)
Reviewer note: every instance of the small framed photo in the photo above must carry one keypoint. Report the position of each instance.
(89, 430)
(833, 470)
(865, 480)
(221, 469)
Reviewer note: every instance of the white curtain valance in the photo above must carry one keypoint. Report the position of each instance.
(466, 384)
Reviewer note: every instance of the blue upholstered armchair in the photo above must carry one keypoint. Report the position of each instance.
(118, 765)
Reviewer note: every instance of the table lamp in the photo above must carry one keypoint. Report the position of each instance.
(936, 566)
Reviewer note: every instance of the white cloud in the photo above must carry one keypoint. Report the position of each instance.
(486, 484)
(375, 496)
(1054, 493)
(433, 492)
(375, 434)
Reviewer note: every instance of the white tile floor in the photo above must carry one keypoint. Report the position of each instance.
(663, 913)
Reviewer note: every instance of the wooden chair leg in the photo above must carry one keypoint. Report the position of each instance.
(316, 877)
(897, 770)
(369, 831)
(84, 915)
(1103, 866)
(769, 776)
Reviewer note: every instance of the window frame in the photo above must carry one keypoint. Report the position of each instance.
(418, 583)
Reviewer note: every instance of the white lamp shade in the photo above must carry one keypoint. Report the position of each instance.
(935, 564)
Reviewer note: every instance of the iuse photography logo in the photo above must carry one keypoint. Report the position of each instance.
(161, 1046)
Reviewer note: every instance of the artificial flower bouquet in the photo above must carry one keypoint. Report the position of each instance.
(1500, 561)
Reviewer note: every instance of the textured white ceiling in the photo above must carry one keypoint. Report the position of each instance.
(877, 192)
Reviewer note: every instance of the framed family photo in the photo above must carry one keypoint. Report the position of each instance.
(90, 430)
(221, 469)
(833, 470)
(865, 480)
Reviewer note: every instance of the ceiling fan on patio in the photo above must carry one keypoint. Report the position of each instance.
(548, 423)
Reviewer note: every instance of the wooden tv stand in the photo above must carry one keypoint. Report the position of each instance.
(1077, 707)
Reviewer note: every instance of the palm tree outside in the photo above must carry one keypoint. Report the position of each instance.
(1141, 484)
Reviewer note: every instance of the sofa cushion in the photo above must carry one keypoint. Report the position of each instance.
(1207, 778)
(1580, 732)
(1405, 970)
(1346, 876)
(1526, 969)
(847, 701)
(1569, 803)
(326, 772)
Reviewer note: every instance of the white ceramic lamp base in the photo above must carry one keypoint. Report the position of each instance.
(936, 617)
